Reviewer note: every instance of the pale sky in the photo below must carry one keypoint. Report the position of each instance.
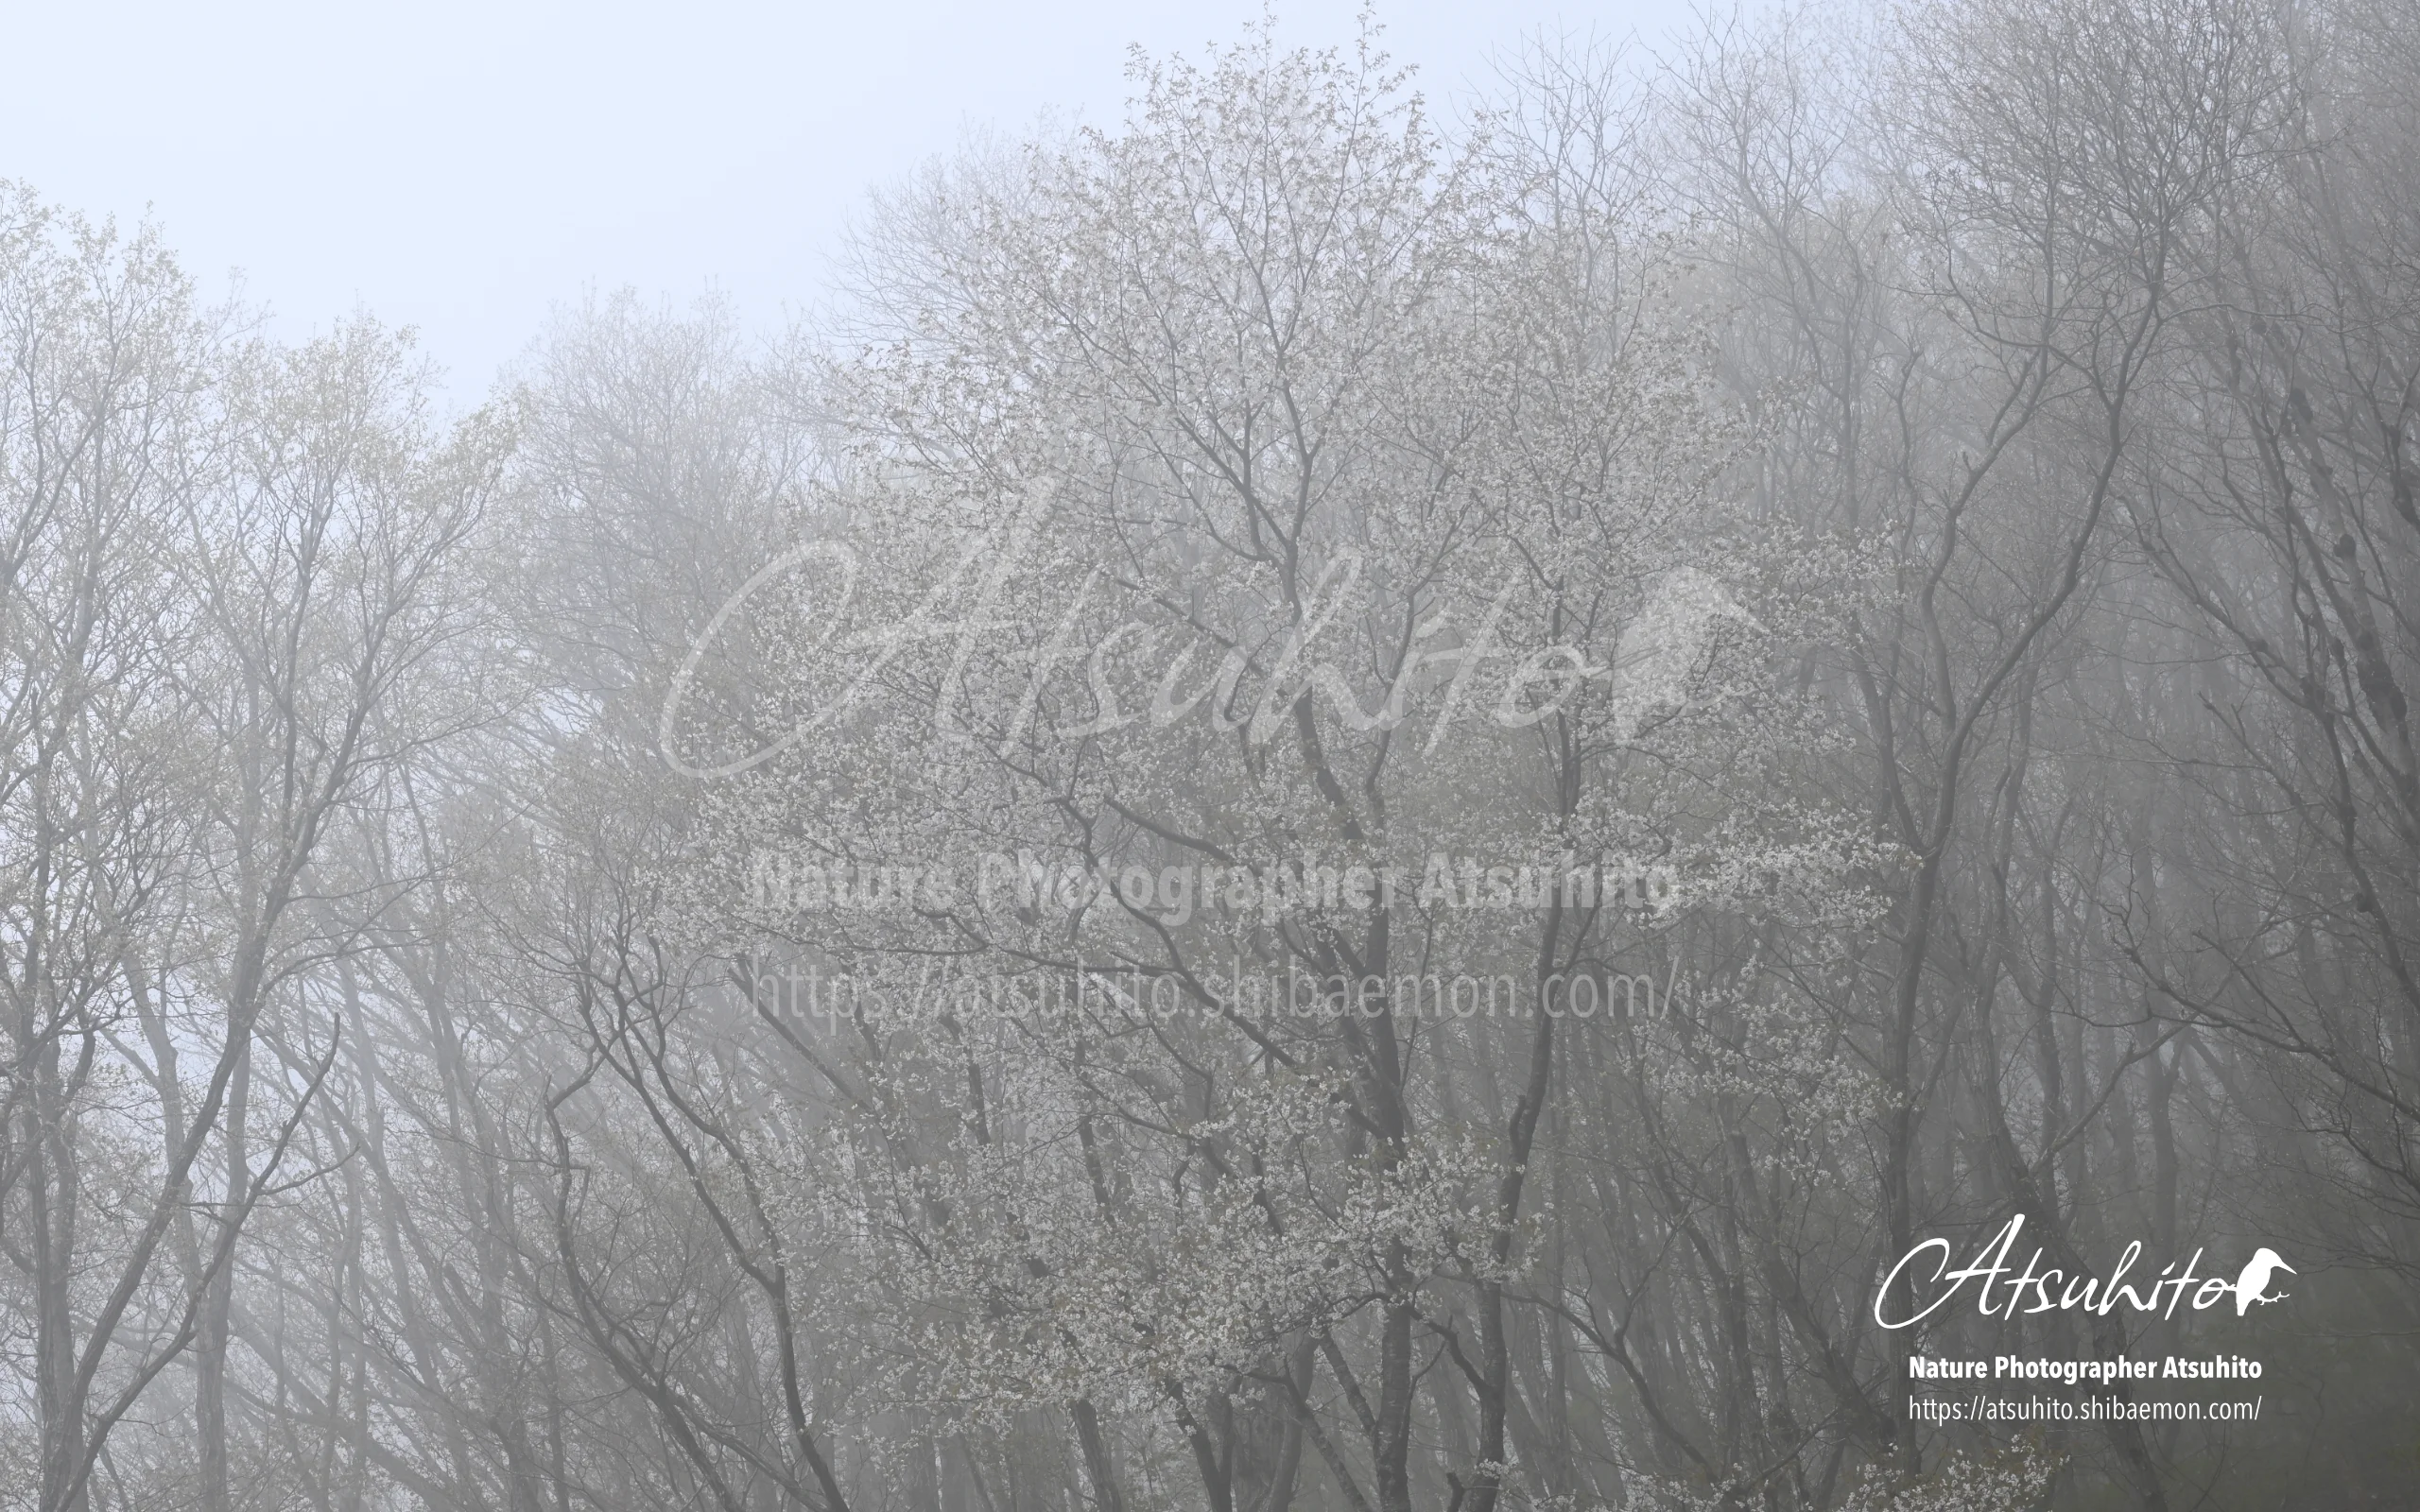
(461, 167)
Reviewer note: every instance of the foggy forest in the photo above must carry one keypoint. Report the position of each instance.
(1339, 795)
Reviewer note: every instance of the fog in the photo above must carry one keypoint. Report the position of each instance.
(461, 168)
(891, 760)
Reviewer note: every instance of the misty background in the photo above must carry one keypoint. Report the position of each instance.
(898, 762)
(461, 168)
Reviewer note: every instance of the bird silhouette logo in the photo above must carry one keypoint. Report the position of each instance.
(2252, 1285)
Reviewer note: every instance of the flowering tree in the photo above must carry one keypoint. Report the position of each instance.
(1276, 578)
